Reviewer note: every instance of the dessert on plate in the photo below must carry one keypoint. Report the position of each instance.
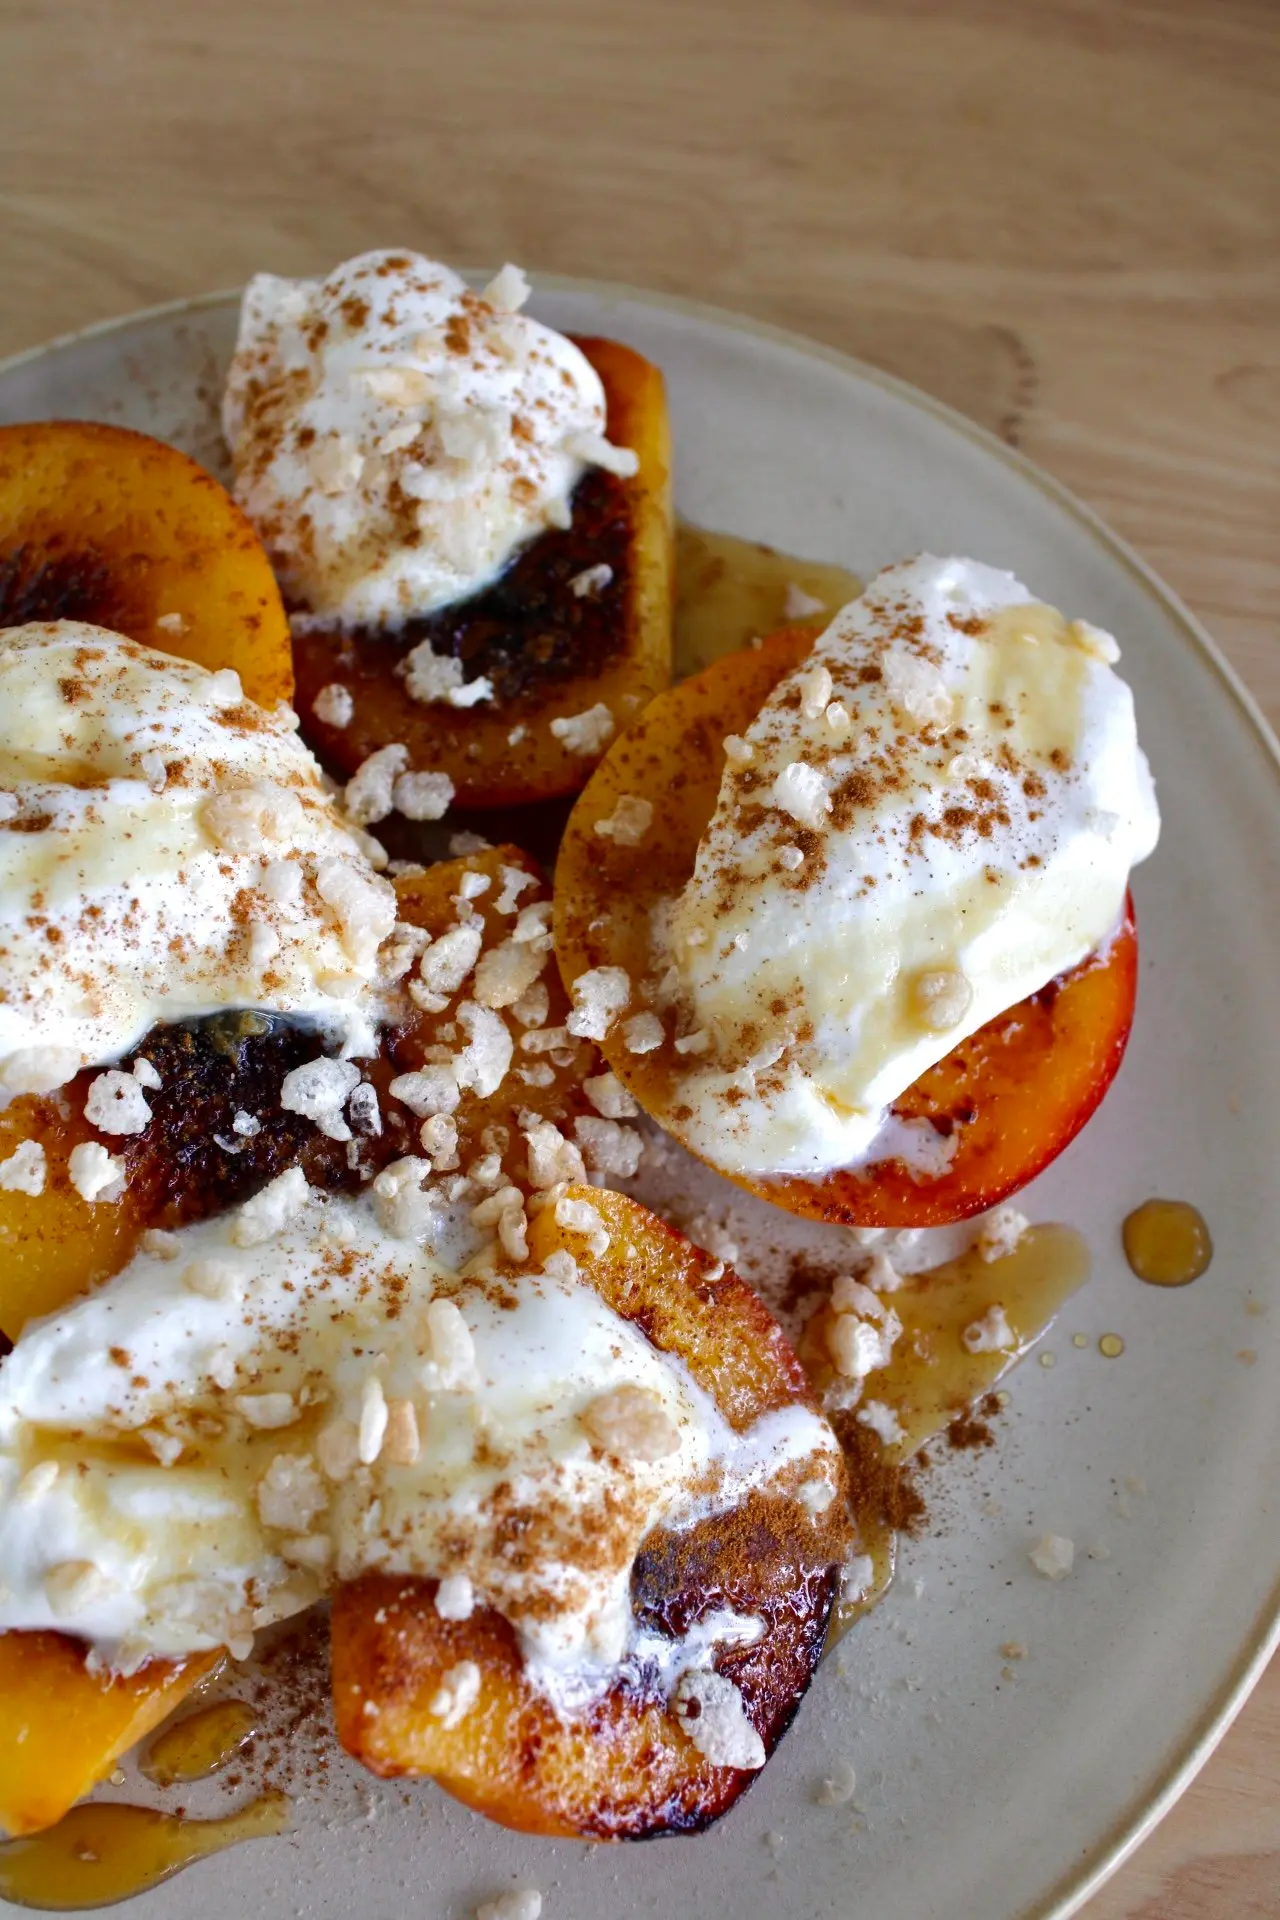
(876, 959)
(470, 517)
(318, 1146)
(331, 1263)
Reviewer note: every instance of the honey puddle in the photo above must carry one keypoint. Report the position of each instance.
(1167, 1243)
(932, 1376)
(933, 1379)
(730, 592)
(199, 1745)
(97, 1855)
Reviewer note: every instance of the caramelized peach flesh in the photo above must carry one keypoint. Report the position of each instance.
(550, 652)
(1011, 1097)
(190, 1163)
(62, 1729)
(108, 526)
(622, 1767)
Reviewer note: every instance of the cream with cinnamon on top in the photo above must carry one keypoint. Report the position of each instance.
(397, 438)
(928, 820)
(168, 850)
(309, 1388)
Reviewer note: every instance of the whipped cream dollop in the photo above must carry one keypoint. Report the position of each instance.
(208, 1441)
(397, 437)
(167, 850)
(927, 821)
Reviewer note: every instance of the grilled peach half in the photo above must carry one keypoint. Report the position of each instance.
(552, 653)
(1011, 1097)
(62, 1728)
(109, 526)
(190, 1162)
(623, 1767)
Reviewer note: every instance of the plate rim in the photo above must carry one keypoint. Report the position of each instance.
(1188, 1754)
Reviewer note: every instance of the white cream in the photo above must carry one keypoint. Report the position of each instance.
(397, 437)
(167, 850)
(260, 1373)
(942, 808)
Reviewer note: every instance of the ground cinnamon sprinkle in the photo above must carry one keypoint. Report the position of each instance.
(884, 1493)
(295, 1741)
(970, 1431)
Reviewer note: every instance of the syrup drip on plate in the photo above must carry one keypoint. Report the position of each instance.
(98, 1854)
(730, 592)
(1167, 1243)
(201, 1744)
(933, 1379)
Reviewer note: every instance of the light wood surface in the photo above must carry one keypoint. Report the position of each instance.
(1062, 216)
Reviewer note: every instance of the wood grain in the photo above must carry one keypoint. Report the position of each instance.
(1063, 216)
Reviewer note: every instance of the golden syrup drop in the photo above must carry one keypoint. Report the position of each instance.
(1048, 1360)
(97, 1855)
(1166, 1242)
(199, 1745)
(880, 1544)
(1111, 1346)
(730, 592)
(1079, 1339)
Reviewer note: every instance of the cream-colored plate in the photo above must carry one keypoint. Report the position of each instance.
(981, 1797)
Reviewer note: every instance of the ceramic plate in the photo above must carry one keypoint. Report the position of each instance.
(981, 1796)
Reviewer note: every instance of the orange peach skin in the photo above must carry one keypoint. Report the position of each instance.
(52, 1244)
(473, 745)
(621, 1768)
(102, 524)
(1014, 1094)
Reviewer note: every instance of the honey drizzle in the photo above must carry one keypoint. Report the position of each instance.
(731, 591)
(200, 1744)
(933, 1378)
(98, 1854)
(1167, 1243)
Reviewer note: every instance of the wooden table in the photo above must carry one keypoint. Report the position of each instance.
(1063, 216)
